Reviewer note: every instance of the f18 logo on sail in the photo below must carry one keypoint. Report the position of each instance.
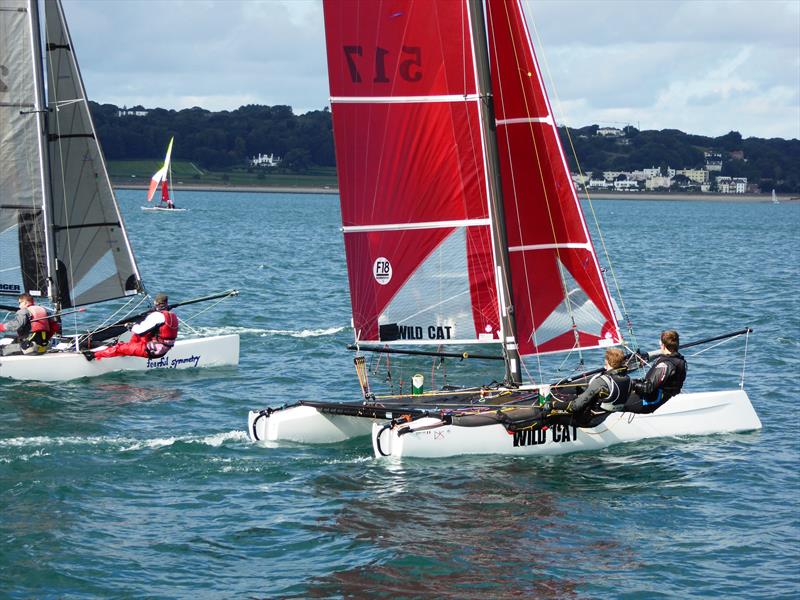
(382, 270)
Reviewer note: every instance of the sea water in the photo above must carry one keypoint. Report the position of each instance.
(145, 484)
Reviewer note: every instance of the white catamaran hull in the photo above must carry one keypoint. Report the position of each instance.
(163, 209)
(62, 366)
(305, 424)
(701, 413)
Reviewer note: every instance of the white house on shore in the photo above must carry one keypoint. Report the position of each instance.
(265, 160)
(132, 112)
(732, 185)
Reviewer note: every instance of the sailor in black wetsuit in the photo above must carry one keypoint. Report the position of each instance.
(664, 379)
(607, 392)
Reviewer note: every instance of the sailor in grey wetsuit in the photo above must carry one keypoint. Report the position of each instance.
(607, 392)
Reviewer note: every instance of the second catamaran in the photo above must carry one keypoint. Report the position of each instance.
(62, 237)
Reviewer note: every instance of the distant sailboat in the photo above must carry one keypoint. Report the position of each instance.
(775, 198)
(62, 237)
(163, 179)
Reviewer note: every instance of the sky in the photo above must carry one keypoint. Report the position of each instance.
(705, 67)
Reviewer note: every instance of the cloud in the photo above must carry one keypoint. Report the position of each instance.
(703, 66)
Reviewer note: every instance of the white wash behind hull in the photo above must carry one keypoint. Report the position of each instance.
(701, 413)
(62, 366)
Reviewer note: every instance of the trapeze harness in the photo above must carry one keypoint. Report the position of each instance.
(164, 338)
(619, 386)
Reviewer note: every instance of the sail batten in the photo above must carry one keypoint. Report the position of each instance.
(416, 225)
(403, 99)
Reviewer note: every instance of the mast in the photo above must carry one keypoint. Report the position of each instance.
(498, 228)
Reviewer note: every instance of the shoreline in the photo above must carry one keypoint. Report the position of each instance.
(644, 196)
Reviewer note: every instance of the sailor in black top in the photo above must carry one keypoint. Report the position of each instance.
(607, 392)
(664, 379)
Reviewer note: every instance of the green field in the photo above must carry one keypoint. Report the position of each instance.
(184, 172)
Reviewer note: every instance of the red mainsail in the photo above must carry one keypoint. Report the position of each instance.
(411, 171)
(413, 184)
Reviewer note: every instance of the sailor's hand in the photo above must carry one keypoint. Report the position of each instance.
(128, 326)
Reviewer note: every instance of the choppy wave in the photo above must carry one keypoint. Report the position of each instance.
(124, 444)
(302, 333)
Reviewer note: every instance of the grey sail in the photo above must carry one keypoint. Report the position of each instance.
(93, 257)
(23, 242)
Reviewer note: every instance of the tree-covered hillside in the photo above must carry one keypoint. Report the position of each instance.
(218, 140)
(227, 139)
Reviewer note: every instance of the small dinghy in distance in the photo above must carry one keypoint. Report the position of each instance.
(62, 237)
(163, 179)
(462, 226)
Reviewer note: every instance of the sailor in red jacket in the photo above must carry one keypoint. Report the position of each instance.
(32, 325)
(152, 338)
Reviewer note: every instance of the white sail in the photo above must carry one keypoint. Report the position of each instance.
(93, 257)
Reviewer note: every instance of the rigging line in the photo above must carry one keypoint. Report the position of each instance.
(113, 318)
(219, 300)
(628, 323)
(699, 352)
(744, 360)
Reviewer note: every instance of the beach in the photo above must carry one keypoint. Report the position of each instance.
(648, 196)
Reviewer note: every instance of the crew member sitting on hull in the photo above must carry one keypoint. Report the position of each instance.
(607, 392)
(152, 338)
(664, 379)
(33, 327)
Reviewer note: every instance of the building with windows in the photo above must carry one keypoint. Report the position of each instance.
(610, 132)
(713, 161)
(137, 111)
(265, 160)
(732, 185)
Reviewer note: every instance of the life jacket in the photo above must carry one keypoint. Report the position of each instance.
(672, 384)
(164, 338)
(41, 320)
(619, 387)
